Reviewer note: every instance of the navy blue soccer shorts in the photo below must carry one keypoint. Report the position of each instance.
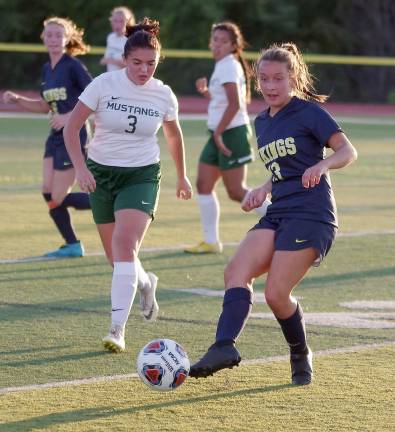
(56, 149)
(297, 234)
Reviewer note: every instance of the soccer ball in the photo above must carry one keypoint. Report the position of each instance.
(163, 364)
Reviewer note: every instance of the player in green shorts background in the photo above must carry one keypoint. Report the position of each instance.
(228, 150)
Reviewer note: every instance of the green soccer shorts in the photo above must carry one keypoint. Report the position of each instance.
(120, 188)
(238, 141)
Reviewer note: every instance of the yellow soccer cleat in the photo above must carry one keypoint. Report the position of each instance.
(115, 340)
(205, 248)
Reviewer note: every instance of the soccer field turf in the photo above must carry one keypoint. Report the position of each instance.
(54, 313)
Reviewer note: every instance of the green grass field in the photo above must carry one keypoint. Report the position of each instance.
(54, 313)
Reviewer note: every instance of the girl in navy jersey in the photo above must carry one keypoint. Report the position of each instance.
(227, 151)
(300, 225)
(123, 168)
(63, 79)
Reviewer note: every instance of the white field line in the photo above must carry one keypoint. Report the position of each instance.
(379, 121)
(181, 247)
(107, 378)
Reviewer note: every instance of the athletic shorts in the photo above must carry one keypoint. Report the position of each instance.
(56, 149)
(297, 234)
(236, 139)
(120, 188)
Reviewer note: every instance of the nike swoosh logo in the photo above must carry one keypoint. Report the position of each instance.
(114, 310)
(300, 241)
(113, 97)
(149, 314)
(145, 203)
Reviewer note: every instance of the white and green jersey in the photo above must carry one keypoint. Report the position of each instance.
(127, 118)
(226, 70)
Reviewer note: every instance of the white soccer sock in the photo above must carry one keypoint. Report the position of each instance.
(123, 290)
(143, 281)
(209, 214)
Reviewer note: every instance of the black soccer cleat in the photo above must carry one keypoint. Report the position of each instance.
(215, 359)
(302, 368)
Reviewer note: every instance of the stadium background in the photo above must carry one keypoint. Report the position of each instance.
(359, 28)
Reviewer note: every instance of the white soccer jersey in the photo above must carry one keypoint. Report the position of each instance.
(127, 118)
(114, 49)
(226, 70)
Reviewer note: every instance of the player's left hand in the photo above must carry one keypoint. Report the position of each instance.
(221, 145)
(312, 175)
(58, 121)
(184, 188)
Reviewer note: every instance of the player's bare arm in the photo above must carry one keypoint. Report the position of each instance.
(175, 142)
(71, 131)
(344, 153)
(33, 105)
(232, 94)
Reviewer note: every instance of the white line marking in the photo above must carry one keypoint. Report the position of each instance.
(107, 378)
(181, 247)
(328, 352)
(355, 320)
(369, 304)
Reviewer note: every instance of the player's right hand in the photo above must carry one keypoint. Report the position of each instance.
(85, 180)
(201, 85)
(254, 198)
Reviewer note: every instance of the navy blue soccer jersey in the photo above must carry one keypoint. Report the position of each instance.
(62, 85)
(291, 141)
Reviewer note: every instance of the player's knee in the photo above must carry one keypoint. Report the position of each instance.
(123, 245)
(57, 198)
(235, 194)
(275, 299)
(233, 276)
(202, 187)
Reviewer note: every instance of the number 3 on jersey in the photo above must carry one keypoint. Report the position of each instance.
(132, 124)
(275, 169)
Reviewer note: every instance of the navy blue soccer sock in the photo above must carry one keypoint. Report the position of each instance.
(235, 311)
(47, 197)
(78, 200)
(61, 217)
(294, 331)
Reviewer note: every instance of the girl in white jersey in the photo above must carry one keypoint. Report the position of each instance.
(228, 149)
(122, 172)
(121, 16)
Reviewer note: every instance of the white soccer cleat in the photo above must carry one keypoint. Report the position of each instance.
(115, 340)
(148, 304)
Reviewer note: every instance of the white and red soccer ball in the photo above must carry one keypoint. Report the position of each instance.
(163, 364)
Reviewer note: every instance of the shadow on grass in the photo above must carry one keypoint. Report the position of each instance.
(51, 266)
(91, 414)
(34, 349)
(54, 359)
(29, 311)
